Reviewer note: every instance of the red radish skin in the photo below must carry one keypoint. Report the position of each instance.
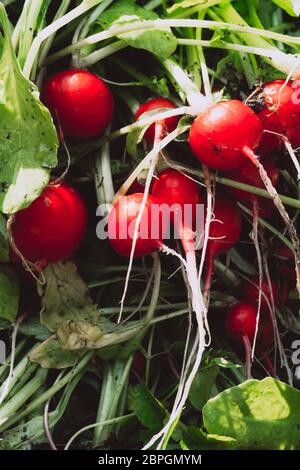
(225, 228)
(80, 102)
(168, 124)
(121, 224)
(249, 292)
(240, 322)
(174, 188)
(138, 364)
(240, 327)
(286, 269)
(52, 227)
(281, 114)
(224, 232)
(136, 187)
(220, 134)
(249, 174)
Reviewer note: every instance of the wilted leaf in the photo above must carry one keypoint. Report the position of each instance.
(75, 335)
(65, 297)
(50, 355)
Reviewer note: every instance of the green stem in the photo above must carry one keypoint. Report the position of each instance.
(92, 426)
(28, 28)
(236, 184)
(114, 381)
(274, 55)
(278, 59)
(46, 46)
(285, 62)
(103, 179)
(269, 227)
(10, 408)
(23, 380)
(115, 310)
(188, 12)
(16, 375)
(45, 396)
(84, 6)
(107, 391)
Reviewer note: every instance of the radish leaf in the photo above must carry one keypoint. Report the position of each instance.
(9, 294)
(159, 41)
(4, 244)
(28, 141)
(149, 411)
(196, 439)
(50, 355)
(292, 7)
(201, 389)
(65, 297)
(258, 414)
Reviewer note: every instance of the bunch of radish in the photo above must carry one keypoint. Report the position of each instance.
(224, 136)
(52, 227)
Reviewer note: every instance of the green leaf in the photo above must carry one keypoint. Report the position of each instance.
(9, 294)
(50, 355)
(28, 140)
(202, 386)
(292, 7)
(65, 297)
(149, 411)
(33, 328)
(258, 414)
(195, 439)
(4, 244)
(159, 41)
(192, 3)
(25, 435)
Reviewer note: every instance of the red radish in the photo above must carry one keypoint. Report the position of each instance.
(175, 189)
(136, 187)
(249, 292)
(167, 125)
(281, 114)
(80, 102)
(240, 327)
(121, 225)
(285, 257)
(249, 174)
(224, 232)
(52, 227)
(240, 322)
(221, 134)
(138, 364)
(222, 137)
